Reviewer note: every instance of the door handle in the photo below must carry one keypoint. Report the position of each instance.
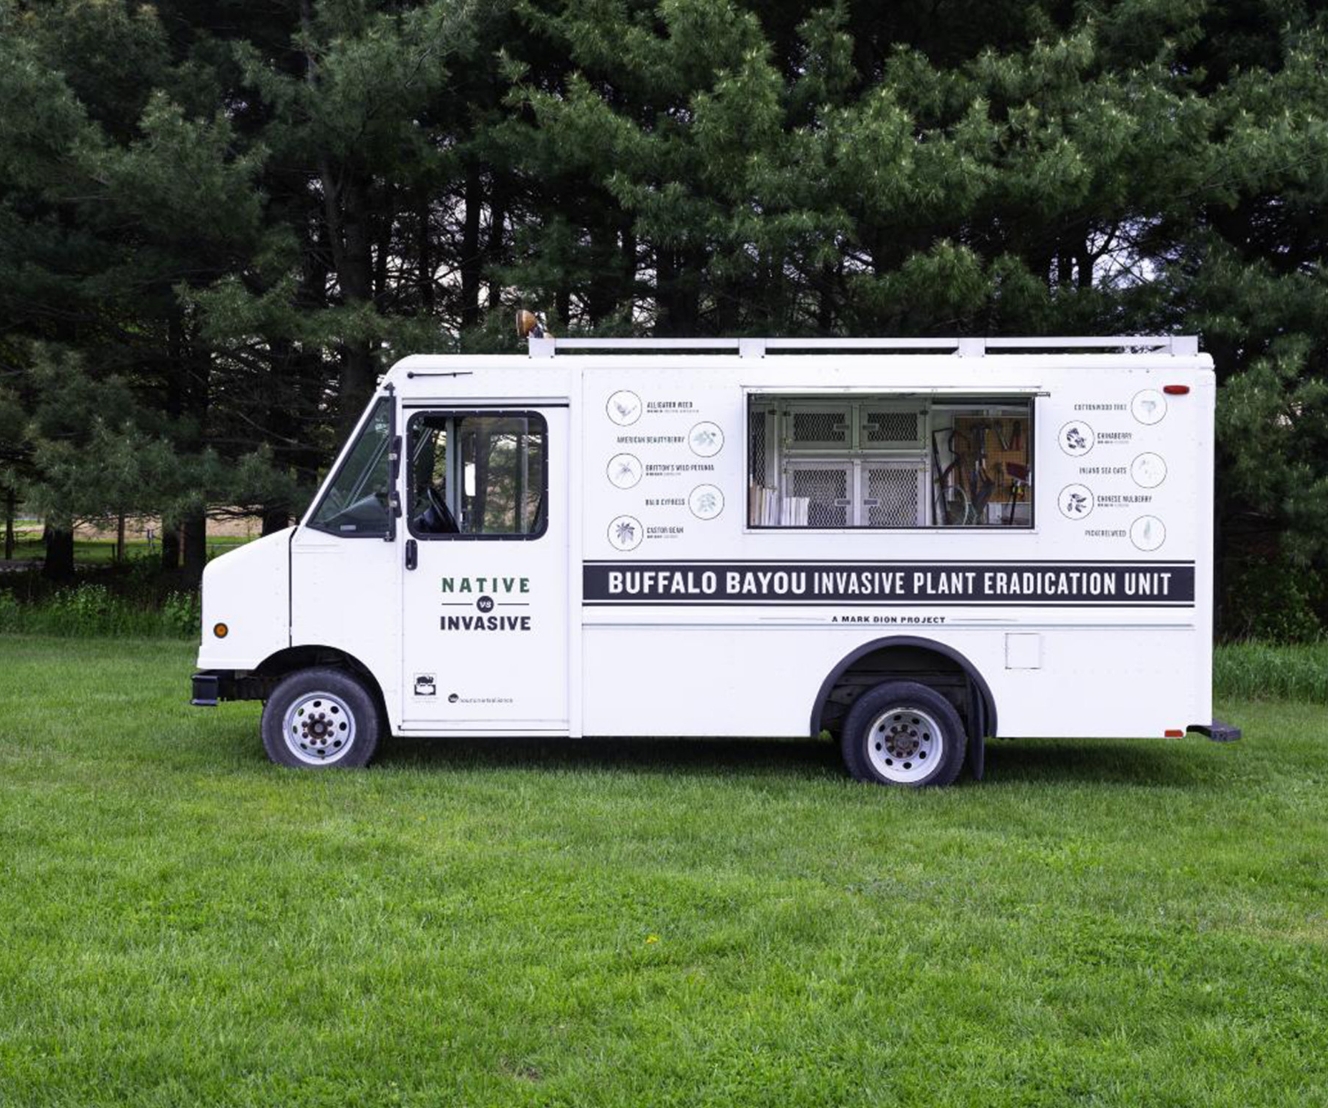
(412, 554)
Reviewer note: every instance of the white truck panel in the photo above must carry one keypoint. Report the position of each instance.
(671, 618)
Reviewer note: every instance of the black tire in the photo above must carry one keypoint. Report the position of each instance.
(903, 733)
(335, 721)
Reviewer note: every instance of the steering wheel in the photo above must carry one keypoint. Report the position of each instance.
(444, 513)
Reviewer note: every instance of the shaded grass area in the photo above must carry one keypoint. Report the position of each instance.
(94, 610)
(661, 923)
(1255, 669)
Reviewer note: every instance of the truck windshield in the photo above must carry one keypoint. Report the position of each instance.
(355, 503)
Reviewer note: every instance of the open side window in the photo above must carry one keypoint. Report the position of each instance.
(886, 462)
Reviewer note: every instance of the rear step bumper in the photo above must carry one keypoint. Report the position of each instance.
(1218, 731)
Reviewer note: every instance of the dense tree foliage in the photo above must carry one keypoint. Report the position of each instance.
(220, 221)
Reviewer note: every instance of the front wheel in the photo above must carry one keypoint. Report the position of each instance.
(318, 718)
(903, 733)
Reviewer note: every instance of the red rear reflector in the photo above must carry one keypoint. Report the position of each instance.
(1175, 390)
(1174, 734)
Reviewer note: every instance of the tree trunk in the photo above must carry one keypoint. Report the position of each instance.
(678, 290)
(424, 255)
(471, 262)
(346, 211)
(665, 272)
(170, 548)
(348, 223)
(604, 288)
(825, 301)
(120, 539)
(1220, 629)
(1039, 261)
(274, 520)
(382, 248)
(192, 400)
(627, 263)
(195, 547)
(1063, 268)
(493, 257)
(59, 564)
(1083, 261)
(11, 506)
(727, 299)
(307, 373)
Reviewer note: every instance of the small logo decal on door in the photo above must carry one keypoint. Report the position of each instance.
(424, 685)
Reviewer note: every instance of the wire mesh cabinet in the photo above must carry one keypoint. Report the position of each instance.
(830, 488)
(818, 427)
(890, 427)
(858, 463)
(893, 493)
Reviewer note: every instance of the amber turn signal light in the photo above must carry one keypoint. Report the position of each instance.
(221, 630)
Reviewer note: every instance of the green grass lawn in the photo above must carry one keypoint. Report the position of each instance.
(664, 923)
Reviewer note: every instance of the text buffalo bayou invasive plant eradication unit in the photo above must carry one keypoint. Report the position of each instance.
(1156, 582)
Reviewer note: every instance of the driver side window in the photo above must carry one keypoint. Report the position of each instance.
(478, 475)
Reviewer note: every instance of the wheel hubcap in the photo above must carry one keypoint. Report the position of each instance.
(319, 728)
(904, 743)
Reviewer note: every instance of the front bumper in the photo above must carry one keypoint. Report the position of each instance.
(213, 685)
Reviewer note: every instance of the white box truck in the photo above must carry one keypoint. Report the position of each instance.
(914, 545)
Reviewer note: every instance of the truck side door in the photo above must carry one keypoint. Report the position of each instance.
(484, 579)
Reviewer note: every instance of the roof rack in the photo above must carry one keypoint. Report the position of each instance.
(1179, 346)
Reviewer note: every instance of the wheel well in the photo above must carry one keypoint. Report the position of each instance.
(261, 681)
(931, 663)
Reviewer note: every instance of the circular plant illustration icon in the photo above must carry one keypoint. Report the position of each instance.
(1148, 407)
(706, 439)
(706, 501)
(1148, 470)
(1148, 532)
(1076, 438)
(1075, 501)
(626, 533)
(624, 407)
(624, 470)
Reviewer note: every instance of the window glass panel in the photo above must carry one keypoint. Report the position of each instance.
(889, 462)
(430, 512)
(355, 504)
(981, 473)
(478, 475)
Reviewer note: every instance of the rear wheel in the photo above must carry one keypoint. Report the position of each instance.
(321, 718)
(903, 733)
